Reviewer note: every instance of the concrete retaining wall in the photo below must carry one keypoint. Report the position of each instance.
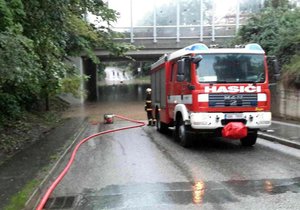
(285, 103)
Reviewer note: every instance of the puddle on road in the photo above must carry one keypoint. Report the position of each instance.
(182, 193)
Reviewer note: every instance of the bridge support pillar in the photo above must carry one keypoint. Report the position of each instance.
(90, 69)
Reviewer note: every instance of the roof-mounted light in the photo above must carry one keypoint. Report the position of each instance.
(198, 46)
(253, 46)
(239, 46)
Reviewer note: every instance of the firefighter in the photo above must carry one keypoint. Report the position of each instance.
(148, 108)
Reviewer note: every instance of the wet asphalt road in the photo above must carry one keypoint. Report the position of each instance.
(143, 169)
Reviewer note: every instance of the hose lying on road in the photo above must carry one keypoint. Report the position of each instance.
(67, 167)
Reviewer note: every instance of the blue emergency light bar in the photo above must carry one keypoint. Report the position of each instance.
(253, 46)
(198, 46)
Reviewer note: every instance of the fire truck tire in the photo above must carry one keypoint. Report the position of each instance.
(181, 134)
(249, 140)
(161, 127)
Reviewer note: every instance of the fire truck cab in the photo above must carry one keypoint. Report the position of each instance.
(200, 89)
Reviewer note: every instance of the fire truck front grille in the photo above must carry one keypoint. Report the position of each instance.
(233, 100)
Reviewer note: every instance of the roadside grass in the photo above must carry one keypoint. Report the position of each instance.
(19, 200)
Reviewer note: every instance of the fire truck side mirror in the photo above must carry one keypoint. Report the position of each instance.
(274, 69)
(180, 78)
(196, 59)
(180, 70)
(180, 67)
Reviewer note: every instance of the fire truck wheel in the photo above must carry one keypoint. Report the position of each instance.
(161, 127)
(249, 140)
(181, 134)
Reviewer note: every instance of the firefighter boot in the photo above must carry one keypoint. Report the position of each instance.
(150, 122)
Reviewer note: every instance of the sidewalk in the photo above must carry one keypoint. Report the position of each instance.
(32, 163)
(283, 132)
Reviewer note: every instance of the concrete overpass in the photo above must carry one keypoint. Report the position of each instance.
(148, 51)
(151, 51)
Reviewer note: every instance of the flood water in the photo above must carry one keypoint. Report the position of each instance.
(122, 93)
(119, 94)
(121, 99)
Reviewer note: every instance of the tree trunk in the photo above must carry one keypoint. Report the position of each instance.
(47, 105)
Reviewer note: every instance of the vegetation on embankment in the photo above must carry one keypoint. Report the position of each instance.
(36, 39)
(277, 29)
(29, 127)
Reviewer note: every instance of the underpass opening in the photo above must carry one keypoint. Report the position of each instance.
(128, 74)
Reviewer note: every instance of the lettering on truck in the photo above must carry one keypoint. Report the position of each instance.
(233, 89)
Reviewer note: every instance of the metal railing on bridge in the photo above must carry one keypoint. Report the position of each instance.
(204, 25)
(177, 32)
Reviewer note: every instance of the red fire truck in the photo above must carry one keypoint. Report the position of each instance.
(201, 90)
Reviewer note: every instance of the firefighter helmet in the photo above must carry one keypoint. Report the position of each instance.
(148, 90)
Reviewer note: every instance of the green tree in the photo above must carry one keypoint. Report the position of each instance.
(37, 36)
(19, 70)
(276, 3)
(58, 29)
(19, 66)
(277, 29)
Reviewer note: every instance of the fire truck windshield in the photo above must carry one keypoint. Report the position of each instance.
(231, 68)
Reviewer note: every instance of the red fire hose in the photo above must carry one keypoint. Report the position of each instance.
(66, 169)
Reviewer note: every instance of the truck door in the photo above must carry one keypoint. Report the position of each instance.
(185, 82)
(172, 89)
(179, 90)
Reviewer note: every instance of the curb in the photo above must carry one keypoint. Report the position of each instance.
(33, 200)
(279, 140)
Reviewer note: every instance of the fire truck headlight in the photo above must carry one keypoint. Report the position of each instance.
(203, 98)
(261, 97)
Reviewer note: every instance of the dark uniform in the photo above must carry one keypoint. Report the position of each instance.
(148, 107)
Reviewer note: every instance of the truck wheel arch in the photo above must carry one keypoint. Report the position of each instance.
(181, 108)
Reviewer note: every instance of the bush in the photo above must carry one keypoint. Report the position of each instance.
(291, 73)
(71, 84)
(9, 107)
